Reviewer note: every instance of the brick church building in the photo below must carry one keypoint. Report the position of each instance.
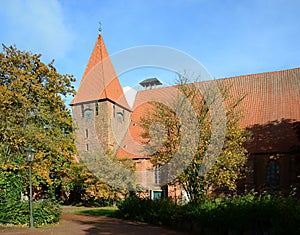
(271, 112)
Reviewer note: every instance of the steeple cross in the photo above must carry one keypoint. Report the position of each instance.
(100, 28)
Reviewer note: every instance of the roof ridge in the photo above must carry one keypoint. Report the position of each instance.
(262, 73)
(227, 78)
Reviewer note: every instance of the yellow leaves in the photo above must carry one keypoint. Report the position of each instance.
(41, 168)
(10, 166)
(227, 168)
(30, 99)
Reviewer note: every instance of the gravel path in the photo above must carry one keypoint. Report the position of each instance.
(75, 224)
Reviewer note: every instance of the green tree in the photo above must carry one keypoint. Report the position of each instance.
(115, 175)
(33, 112)
(204, 173)
(87, 189)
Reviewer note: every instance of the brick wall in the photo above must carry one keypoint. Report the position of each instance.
(100, 124)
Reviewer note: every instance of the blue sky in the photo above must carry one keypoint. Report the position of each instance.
(229, 37)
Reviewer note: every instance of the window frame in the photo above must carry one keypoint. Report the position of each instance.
(273, 174)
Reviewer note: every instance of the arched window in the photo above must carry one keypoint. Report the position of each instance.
(88, 113)
(273, 174)
(120, 117)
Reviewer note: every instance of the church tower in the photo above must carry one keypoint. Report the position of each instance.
(100, 111)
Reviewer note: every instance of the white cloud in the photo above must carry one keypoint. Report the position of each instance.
(36, 25)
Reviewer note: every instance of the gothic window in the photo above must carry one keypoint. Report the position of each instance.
(88, 113)
(120, 117)
(86, 133)
(273, 174)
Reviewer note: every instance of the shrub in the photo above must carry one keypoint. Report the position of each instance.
(159, 212)
(255, 214)
(16, 212)
(265, 213)
(46, 212)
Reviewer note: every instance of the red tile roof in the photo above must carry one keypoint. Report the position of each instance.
(270, 98)
(100, 80)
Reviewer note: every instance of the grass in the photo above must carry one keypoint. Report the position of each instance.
(102, 211)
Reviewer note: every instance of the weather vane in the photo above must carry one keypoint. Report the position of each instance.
(100, 27)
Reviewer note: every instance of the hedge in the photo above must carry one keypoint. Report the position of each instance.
(253, 214)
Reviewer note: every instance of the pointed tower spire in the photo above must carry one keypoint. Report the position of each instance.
(99, 81)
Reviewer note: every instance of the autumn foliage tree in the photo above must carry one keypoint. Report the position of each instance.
(33, 112)
(204, 172)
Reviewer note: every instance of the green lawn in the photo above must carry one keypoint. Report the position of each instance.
(101, 211)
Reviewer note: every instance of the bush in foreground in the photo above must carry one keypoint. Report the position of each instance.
(17, 213)
(160, 212)
(254, 214)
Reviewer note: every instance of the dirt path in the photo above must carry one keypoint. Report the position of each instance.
(75, 224)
